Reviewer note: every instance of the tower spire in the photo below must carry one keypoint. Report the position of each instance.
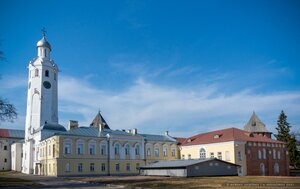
(44, 31)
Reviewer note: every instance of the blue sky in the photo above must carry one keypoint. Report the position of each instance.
(182, 66)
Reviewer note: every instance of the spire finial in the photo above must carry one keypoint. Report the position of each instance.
(44, 31)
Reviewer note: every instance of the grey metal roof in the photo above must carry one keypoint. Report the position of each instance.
(163, 138)
(16, 133)
(180, 163)
(93, 132)
(255, 125)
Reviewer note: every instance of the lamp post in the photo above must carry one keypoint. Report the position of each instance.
(108, 154)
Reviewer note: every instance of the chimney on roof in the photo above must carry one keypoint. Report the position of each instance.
(129, 131)
(134, 131)
(73, 124)
(167, 133)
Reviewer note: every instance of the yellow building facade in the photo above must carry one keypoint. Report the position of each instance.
(231, 151)
(101, 151)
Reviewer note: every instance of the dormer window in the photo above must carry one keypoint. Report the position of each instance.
(217, 136)
(253, 123)
(47, 73)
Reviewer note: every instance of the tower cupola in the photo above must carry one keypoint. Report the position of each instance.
(43, 47)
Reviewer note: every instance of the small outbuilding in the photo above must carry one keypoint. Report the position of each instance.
(190, 168)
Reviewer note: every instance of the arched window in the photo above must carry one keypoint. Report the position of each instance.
(165, 150)
(276, 169)
(259, 154)
(67, 146)
(148, 152)
(117, 149)
(202, 153)
(156, 150)
(92, 147)
(137, 150)
(80, 147)
(127, 148)
(47, 73)
(264, 154)
(36, 72)
(102, 149)
(262, 169)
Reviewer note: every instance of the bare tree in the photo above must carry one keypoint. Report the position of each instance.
(7, 111)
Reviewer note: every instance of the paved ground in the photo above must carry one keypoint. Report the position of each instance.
(54, 182)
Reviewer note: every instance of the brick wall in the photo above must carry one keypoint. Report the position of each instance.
(254, 163)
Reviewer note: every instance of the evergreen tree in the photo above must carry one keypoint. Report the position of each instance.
(284, 135)
(283, 128)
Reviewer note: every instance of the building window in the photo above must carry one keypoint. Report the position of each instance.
(202, 153)
(118, 167)
(49, 150)
(165, 151)
(55, 75)
(137, 166)
(227, 156)
(103, 150)
(67, 167)
(80, 147)
(79, 167)
(148, 152)
(36, 72)
(92, 167)
(264, 154)
(189, 156)
(49, 168)
(173, 152)
(102, 166)
(47, 73)
(240, 156)
(183, 156)
(278, 154)
(137, 150)
(274, 154)
(127, 149)
(67, 148)
(127, 166)
(259, 154)
(53, 150)
(212, 155)
(156, 152)
(92, 149)
(220, 155)
(117, 149)
(5, 147)
(5, 160)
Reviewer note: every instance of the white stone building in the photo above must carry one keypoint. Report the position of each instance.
(7, 137)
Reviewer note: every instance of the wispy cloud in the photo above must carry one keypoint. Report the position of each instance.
(154, 108)
(12, 82)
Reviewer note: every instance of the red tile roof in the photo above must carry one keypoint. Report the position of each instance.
(180, 140)
(225, 135)
(4, 133)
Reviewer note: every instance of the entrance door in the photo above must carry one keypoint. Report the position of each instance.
(262, 169)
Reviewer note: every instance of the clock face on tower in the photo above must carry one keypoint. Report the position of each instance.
(47, 84)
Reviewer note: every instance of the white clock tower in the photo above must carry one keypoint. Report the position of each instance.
(41, 102)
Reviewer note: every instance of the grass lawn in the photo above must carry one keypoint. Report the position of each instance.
(247, 182)
(6, 181)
